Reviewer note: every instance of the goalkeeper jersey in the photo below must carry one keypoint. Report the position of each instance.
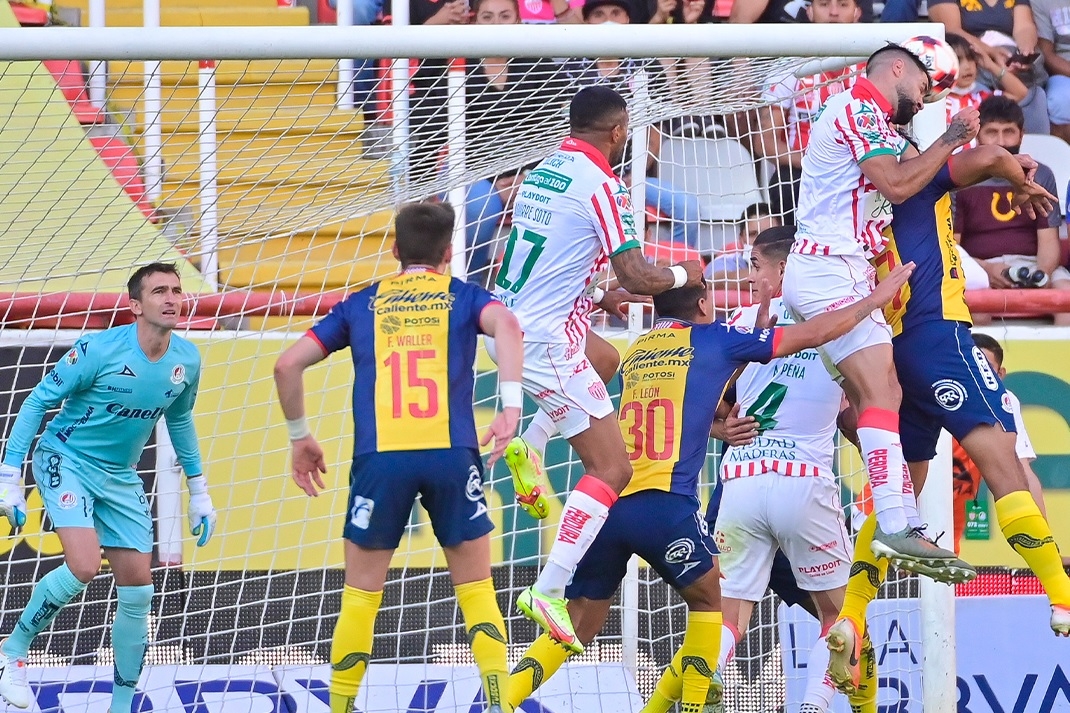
(412, 338)
(112, 397)
(795, 403)
(674, 376)
(570, 216)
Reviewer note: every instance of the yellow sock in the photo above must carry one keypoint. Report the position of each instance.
(351, 647)
(867, 574)
(540, 661)
(669, 688)
(865, 699)
(486, 635)
(1027, 532)
(702, 643)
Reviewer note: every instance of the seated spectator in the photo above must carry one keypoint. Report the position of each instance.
(966, 476)
(1052, 18)
(968, 92)
(733, 266)
(620, 74)
(502, 95)
(973, 18)
(751, 11)
(794, 103)
(1014, 249)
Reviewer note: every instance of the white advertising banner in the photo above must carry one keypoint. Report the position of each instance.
(1008, 659)
(406, 688)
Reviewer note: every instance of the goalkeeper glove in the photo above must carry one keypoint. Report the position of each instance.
(201, 513)
(12, 495)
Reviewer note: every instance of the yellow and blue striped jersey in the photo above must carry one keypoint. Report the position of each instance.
(413, 343)
(674, 376)
(922, 231)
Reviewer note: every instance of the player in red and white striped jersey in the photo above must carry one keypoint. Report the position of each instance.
(855, 168)
(572, 217)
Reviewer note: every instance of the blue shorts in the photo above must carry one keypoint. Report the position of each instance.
(78, 492)
(383, 487)
(665, 529)
(781, 575)
(947, 383)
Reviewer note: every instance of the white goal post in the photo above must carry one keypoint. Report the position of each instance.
(273, 223)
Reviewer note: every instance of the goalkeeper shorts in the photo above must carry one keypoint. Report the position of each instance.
(666, 529)
(78, 492)
(384, 486)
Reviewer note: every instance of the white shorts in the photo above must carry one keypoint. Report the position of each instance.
(814, 284)
(800, 516)
(564, 384)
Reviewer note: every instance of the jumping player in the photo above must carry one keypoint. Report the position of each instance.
(413, 343)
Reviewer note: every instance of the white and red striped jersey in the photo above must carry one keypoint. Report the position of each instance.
(840, 212)
(802, 99)
(956, 102)
(570, 216)
(795, 402)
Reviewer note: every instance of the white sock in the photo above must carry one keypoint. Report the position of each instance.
(539, 431)
(586, 510)
(819, 690)
(878, 433)
(910, 502)
(729, 639)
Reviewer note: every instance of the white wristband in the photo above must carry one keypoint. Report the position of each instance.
(298, 428)
(597, 295)
(679, 272)
(511, 393)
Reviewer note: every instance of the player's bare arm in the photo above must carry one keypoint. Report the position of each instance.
(308, 461)
(498, 322)
(729, 428)
(899, 179)
(613, 301)
(638, 276)
(975, 165)
(830, 325)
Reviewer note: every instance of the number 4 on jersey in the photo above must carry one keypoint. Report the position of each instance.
(764, 408)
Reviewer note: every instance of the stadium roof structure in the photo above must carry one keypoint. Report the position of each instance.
(66, 224)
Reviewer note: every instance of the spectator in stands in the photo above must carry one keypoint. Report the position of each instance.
(968, 92)
(733, 266)
(750, 11)
(966, 477)
(502, 95)
(982, 22)
(1014, 249)
(622, 74)
(1052, 18)
(793, 103)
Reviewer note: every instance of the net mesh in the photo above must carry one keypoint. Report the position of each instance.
(301, 201)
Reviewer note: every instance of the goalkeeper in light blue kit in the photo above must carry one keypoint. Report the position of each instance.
(114, 386)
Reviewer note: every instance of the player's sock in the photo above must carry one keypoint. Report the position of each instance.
(51, 594)
(698, 658)
(729, 639)
(819, 688)
(910, 500)
(867, 574)
(878, 434)
(129, 641)
(1028, 533)
(669, 688)
(864, 700)
(539, 432)
(542, 660)
(486, 635)
(586, 510)
(351, 646)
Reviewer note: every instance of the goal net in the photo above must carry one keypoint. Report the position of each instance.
(272, 182)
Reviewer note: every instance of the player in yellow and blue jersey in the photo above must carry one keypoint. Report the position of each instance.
(948, 383)
(114, 386)
(412, 338)
(674, 377)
